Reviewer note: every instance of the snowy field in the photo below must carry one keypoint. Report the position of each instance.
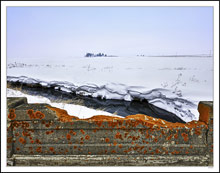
(175, 84)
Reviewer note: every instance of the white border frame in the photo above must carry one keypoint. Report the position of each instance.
(5, 4)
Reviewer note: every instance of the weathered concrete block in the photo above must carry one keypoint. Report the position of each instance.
(39, 135)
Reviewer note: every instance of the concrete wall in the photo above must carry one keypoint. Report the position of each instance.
(39, 135)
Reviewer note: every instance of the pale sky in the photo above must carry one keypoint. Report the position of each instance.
(62, 32)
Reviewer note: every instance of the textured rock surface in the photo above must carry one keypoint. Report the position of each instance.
(38, 135)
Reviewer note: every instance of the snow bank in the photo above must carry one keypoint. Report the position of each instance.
(75, 110)
(175, 84)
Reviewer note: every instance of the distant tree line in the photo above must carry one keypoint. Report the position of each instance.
(95, 55)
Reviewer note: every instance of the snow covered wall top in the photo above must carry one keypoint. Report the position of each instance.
(175, 84)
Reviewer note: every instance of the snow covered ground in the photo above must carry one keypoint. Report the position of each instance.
(175, 84)
(75, 110)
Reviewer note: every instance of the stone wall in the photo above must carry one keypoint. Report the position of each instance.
(40, 135)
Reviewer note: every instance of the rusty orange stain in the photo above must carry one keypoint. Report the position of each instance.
(204, 113)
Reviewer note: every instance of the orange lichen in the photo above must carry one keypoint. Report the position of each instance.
(107, 140)
(68, 136)
(37, 141)
(11, 114)
(39, 149)
(197, 131)
(115, 143)
(39, 115)
(63, 115)
(98, 123)
(145, 151)
(175, 152)
(82, 131)
(113, 151)
(17, 134)
(47, 125)
(185, 136)
(25, 124)
(89, 152)
(120, 145)
(17, 148)
(87, 137)
(118, 136)
(74, 133)
(155, 140)
(169, 137)
(31, 114)
(176, 136)
(25, 133)
(22, 140)
(51, 149)
(49, 132)
(157, 151)
(130, 121)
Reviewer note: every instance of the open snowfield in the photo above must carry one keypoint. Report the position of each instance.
(175, 84)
